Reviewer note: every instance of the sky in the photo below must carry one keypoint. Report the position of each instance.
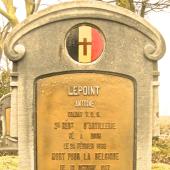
(160, 21)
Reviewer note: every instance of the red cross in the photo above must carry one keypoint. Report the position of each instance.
(85, 44)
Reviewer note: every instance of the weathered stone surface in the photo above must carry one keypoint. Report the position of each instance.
(38, 50)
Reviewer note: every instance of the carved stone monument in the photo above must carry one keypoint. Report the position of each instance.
(5, 106)
(7, 141)
(82, 77)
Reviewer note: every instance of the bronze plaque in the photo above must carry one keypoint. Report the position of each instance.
(7, 117)
(85, 121)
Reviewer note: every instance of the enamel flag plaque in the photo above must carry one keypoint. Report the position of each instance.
(85, 43)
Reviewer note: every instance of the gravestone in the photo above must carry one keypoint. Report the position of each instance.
(82, 77)
(5, 103)
(5, 124)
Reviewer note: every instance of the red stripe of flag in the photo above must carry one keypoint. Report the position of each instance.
(97, 45)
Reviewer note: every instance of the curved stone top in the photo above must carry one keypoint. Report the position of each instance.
(5, 101)
(85, 9)
(4, 97)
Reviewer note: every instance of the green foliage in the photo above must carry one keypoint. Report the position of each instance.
(161, 146)
(161, 150)
(165, 125)
(8, 163)
(128, 4)
(4, 83)
(160, 167)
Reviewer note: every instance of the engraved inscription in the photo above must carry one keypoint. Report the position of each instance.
(83, 90)
(83, 121)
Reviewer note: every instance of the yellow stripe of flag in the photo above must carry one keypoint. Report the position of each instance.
(85, 39)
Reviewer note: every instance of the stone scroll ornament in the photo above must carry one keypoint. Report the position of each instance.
(84, 44)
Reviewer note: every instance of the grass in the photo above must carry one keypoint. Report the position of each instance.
(8, 163)
(160, 166)
(165, 125)
(161, 151)
(161, 147)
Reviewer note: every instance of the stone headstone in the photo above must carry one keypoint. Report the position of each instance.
(7, 142)
(5, 103)
(83, 74)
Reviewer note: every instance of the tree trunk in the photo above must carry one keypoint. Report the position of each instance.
(143, 8)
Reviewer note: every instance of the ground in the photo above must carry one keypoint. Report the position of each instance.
(160, 166)
(8, 162)
(161, 146)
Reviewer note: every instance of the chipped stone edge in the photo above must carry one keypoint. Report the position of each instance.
(85, 10)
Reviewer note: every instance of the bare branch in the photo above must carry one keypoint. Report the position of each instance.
(32, 6)
(29, 4)
(5, 14)
(5, 31)
(11, 11)
(143, 8)
(3, 34)
(37, 4)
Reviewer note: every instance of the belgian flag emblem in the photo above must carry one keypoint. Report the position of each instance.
(85, 44)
